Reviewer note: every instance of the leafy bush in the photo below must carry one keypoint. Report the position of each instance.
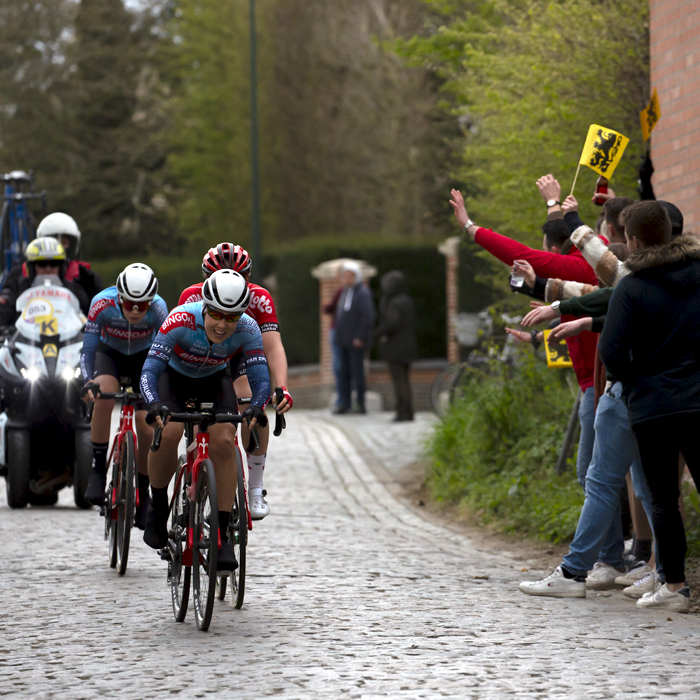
(495, 452)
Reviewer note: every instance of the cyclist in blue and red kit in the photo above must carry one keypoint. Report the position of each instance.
(122, 323)
(190, 359)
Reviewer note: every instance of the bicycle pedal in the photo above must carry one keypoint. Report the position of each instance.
(102, 511)
(164, 554)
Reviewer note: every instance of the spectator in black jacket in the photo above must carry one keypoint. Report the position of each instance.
(651, 342)
(397, 342)
(354, 320)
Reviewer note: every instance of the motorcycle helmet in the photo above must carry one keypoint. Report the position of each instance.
(226, 291)
(226, 256)
(58, 225)
(45, 250)
(137, 283)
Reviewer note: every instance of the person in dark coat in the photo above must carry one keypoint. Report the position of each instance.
(651, 343)
(397, 339)
(354, 321)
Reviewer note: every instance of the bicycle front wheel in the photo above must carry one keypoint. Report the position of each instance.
(125, 501)
(178, 574)
(238, 535)
(205, 526)
(110, 523)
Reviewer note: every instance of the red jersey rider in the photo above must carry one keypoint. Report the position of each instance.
(262, 311)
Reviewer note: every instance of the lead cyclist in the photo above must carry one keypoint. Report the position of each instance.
(227, 256)
(190, 359)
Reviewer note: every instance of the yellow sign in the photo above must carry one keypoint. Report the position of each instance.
(557, 352)
(603, 150)
(50, 350)
(49, 326)
(649, 116)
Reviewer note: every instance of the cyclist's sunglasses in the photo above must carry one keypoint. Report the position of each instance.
(134, 305)
(217, 315)
(43, 264)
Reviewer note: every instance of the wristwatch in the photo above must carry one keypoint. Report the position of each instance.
(468, 224)
(555, 307)
(552, 203)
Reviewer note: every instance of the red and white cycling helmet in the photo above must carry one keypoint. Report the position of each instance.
(226, 256)
(226, 291)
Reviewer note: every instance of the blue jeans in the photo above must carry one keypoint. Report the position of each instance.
(586, 417)
(599, 531)
(336, 364)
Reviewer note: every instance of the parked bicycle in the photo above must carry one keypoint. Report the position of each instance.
(16, 225)
(122, 496)
(194, 537)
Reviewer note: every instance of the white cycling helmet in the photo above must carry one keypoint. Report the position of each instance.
(226, 291)
(137, 283)
(59, 224)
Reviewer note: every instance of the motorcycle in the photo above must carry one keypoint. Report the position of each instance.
(45, 443)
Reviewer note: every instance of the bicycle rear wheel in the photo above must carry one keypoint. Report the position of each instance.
(179, 575)
(125, 501)
(238, 535)
(205, 526)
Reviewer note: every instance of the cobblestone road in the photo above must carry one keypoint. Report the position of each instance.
(350, 594)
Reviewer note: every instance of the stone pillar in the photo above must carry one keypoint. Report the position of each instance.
(450, 249)
(327, 275)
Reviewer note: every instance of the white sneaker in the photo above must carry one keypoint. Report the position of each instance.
(628, 546)
(555, 586)
(258, 504)
(602, 577)
(634, 575)
(667, 600)
(646, 584)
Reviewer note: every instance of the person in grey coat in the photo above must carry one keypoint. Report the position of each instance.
(397, 339)
(354, 321)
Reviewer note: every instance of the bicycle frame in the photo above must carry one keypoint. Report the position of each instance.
(126, 425)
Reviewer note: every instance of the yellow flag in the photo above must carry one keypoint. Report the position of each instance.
(557, 352)
(603, 150)
(649, 116)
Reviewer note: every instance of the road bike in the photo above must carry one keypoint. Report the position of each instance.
(16, 225)
(122, 495)
(194, 537)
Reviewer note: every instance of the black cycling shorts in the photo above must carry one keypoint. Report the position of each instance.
(176, 390)
(237, 365)
(117, 364)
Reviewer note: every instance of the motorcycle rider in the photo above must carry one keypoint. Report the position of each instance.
(45, 256)
(64, 229)
(227, 256)
(121, 326)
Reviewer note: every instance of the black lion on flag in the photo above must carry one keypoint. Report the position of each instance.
(605, 147)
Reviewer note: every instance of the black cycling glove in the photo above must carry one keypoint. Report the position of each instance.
(157, 408)
(90, 386)
(257, 413)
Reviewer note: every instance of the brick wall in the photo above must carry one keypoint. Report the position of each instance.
(675, 73)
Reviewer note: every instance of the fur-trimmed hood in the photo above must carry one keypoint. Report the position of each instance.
(682, 249)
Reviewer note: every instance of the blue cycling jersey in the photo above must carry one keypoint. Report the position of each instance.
(183, 345)
(106, 324)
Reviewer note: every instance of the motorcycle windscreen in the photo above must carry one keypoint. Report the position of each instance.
(49, 310)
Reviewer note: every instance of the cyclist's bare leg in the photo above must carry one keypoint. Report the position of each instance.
(243, 391)
(163, 463)
(221, 453)
(259, 507)
(144, 433)
(102, 415)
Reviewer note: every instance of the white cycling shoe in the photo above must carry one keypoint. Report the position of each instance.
(258, 504)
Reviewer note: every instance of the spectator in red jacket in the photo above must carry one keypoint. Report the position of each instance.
(559, 258)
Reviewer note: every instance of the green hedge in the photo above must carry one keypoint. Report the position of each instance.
(297, 293)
